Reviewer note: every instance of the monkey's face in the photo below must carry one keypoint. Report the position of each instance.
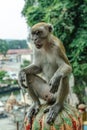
(40, 33)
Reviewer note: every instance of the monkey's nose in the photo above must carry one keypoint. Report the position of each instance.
(48, 97)
(35, 38)
(35, 41)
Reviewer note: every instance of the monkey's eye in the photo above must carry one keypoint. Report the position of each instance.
(37, 32)
(32, 33)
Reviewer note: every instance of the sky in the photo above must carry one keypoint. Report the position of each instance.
(12, 23)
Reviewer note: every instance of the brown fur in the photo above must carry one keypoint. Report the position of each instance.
(49, 59)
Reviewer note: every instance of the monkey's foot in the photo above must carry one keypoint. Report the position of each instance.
(33, 110)
(53, 112)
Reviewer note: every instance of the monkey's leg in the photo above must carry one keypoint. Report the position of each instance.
(33, 110)
(38, 88)
(41, 88)
(61, 96)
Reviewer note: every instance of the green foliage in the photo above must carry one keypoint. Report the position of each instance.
(2, 75)
(25, 63)
(69, 18)
(17, 44)
(3, 47)
(28, 3)
(80, 91)
(8, 80)
(35, 15)
(14, 82)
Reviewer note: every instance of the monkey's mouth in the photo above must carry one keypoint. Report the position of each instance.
(38, 46)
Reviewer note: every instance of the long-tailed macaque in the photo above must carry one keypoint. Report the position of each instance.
(49, 58)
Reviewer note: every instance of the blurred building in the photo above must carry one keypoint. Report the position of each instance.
(13, 60)
(18, 55)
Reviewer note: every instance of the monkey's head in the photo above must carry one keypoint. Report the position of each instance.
(40, 34)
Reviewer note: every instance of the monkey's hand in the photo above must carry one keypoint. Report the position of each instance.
(22, 79)
(53, 111)
(33, 110)
(54, 83)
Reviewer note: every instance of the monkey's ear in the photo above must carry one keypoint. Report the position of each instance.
(50, 27)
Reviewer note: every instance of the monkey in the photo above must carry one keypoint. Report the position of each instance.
(50, 59)
(35, 80)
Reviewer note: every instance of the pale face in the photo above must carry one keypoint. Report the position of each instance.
(39, 36)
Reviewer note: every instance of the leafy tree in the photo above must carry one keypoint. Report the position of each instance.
(3, 47)
(17, 44)
(69, 18)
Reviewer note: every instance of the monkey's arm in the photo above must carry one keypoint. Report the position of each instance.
(64, 66)
(32, 69)
(59, 81)
(35, 67)
(64, 69)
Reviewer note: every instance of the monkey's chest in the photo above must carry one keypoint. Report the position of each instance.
(49, 67)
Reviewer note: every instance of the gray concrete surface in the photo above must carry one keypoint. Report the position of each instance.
(7, 124)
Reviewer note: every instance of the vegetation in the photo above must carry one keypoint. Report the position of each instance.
(25, 63)
(5, 45)
(2, 75)
(8, 80)
(17, 44)
(69, 18)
